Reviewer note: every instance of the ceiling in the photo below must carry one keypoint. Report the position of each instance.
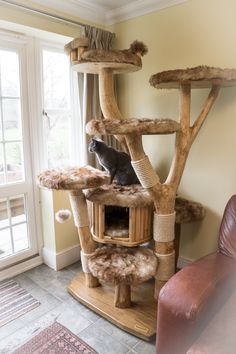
(106, 12)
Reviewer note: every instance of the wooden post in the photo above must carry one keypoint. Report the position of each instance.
(88, 246)
(108, 101)
(122, 295)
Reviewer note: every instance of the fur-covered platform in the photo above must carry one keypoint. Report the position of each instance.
(124, 196)
(115, 265)
(133, 125)
(92, 61)
(199, 77)
(73, 178)
(135, 196)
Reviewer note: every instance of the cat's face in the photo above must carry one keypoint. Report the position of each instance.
(93, 145)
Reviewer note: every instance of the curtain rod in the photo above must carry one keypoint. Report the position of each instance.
(42, 12)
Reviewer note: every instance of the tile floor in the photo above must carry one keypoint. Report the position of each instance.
(56, 304)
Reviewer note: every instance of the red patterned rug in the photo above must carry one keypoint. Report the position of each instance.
(55, 339)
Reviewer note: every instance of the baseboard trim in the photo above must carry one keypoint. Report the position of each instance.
(20, 268)
(60, 260)
(183, 262)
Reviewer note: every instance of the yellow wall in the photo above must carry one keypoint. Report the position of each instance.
(190, 34)
(67, 235)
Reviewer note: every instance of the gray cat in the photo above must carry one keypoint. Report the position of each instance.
(117, 163)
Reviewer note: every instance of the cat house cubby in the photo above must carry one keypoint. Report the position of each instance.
(141, 318)
(121, 215)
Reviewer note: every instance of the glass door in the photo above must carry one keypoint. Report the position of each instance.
(17, 212)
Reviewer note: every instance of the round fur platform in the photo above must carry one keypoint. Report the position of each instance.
(115, 265)
(128, 126)
(73, 178)
(188, 211)
(124, 196)
(136, 196)
(93, 61)
(199, 77)
(119, 60)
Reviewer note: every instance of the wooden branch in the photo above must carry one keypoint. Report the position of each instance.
(182, 142)
(206, 108)
(108, 100)
(135, 146)
(122, 296)
(185, 101)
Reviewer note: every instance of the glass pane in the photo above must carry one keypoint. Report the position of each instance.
(1, 130)
(9, 66)
(2, 174)
(20, 237)
(5, 243)
(17, 206)
(56, 80)
(4, 221)
(14, 162)
(11, 119)
(58, 142)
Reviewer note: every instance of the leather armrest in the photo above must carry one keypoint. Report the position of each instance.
(186, 297)
(189, 290)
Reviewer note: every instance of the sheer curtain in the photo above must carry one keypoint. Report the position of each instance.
(89, 95)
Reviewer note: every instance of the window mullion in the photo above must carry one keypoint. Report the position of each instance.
(3, 137)
(10, 225)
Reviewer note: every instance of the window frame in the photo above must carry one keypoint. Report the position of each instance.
(24, 45)
(74, 126)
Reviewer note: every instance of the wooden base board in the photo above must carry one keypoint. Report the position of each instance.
(139, 319)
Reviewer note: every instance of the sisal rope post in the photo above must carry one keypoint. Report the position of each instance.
(164, 235)
(145, 172)
(88, 246)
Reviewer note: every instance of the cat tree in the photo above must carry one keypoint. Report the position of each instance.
(139, 319)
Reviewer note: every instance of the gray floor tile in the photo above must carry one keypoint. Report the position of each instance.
(49, 287)
(38, 293)
(145, 347)
(120, 335)
(101, 341)
(24, 281)
(10, 328)
(83, 310)
(73, 320)
(75, 268)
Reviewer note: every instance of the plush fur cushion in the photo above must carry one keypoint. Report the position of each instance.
(125, 196)
(123, 265)
(132, 125)
(73, 178)
(199, 76)
(188, 211)
(117, 56)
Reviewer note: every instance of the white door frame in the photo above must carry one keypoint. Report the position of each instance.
(29, 106)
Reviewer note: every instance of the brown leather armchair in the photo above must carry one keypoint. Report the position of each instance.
(197, 306)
